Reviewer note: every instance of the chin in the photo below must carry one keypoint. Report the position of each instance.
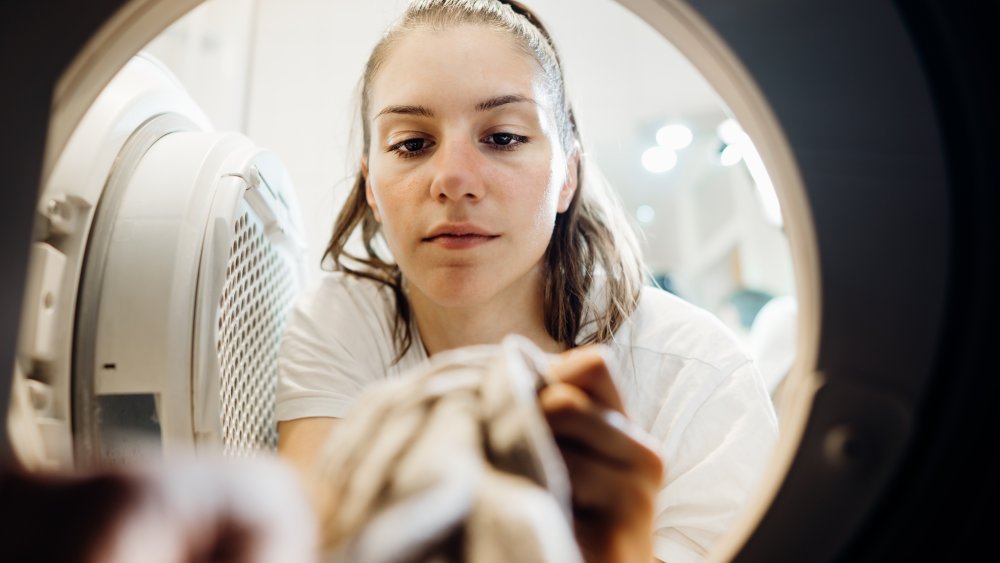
(451, 289)
(458, 295)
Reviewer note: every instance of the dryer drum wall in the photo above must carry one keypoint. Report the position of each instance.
(890, 111)
(908, 300)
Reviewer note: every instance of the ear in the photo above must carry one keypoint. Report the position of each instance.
(572, 179)
(369, 194)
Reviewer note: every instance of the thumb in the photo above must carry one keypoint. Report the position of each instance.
(587, 369)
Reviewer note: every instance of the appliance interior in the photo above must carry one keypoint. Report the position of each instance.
(867, 358)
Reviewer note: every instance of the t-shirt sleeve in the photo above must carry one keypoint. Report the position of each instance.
(713, 462)
(333, 347)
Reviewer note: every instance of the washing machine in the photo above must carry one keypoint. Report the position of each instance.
(887, 451)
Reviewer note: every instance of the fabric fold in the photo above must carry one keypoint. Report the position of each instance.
(452, 462)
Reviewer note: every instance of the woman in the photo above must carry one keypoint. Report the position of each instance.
(472, 174)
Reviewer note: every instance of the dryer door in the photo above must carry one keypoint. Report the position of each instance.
(171, 257)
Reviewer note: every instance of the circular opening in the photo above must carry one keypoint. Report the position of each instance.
(741, 100)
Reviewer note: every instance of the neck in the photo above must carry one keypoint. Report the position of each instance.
(518, 311)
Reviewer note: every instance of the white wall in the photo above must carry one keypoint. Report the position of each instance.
(309, 55)
(209, 51)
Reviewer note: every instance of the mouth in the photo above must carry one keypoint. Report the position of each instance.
(459, 236)
(456, 236)
(459, 231)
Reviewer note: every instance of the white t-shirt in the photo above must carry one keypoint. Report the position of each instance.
(681, 373)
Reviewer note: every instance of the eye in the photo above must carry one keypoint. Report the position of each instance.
(411, 147)
(505, 141)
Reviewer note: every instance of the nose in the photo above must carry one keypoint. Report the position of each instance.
(458, 172)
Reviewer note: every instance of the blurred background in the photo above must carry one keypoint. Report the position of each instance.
(285, 73)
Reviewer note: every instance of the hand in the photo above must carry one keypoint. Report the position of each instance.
(614, 468)
(250, 510)
(217, 511)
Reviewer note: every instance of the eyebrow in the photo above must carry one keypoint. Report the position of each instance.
(423, 111)
(498, 101)
(405, 110)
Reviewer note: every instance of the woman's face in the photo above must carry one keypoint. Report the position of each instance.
(464, 170)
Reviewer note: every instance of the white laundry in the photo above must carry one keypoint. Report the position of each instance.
(454, 462)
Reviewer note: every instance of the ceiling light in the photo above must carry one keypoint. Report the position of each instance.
(766, 194)
(731, 154)
(645, 214)
(659, 159)
(674, 136)
(730, 132)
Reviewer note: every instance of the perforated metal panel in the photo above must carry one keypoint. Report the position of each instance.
(258, 293)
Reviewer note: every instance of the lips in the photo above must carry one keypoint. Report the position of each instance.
(459, 230)
(459, 235)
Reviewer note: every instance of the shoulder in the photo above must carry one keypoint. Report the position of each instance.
(337, 341)
(343, 311)
(687, 378)
(665, 324)
(671, 357)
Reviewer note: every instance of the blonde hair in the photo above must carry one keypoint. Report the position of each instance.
(591, 237)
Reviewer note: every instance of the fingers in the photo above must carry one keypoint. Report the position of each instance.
(587, 368)
(580, 424)
(600, 489)
(614, 466)
(613, 501)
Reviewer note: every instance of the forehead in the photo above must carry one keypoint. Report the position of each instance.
(456, 65)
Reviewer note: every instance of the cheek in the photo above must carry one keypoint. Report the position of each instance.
(545, 219)
(533, 205)
(385, 186)
(395, 200)
(550, 176)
